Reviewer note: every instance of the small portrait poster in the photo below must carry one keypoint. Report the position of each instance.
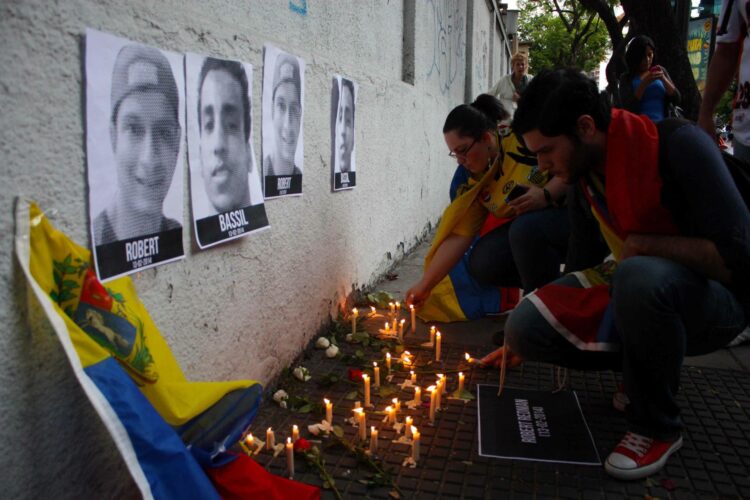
(283, 105)
(344, 103)
(225, 187)
(135, 119)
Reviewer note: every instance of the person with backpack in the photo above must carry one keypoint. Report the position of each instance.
(670, 214)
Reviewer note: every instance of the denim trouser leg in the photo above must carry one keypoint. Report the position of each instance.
(526, 252)
(663, 312)
(529, 335)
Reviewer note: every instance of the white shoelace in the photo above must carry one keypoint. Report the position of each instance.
(636, 443)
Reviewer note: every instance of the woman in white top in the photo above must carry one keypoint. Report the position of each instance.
(508, 88)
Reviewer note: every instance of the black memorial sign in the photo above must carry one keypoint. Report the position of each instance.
(524, 424)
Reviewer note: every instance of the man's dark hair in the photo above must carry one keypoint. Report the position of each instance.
(635, 51)
(236, 71)
(350, 85)
(555, 99)
(473, 120)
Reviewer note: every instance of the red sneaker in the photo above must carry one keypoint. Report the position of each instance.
(639, 456)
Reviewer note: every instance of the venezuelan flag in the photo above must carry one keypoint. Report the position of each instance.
(158, 420)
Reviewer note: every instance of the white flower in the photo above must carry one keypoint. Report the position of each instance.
(280, 397)
(332, 351)
(322, 343)
(302, 373)
(316, 429)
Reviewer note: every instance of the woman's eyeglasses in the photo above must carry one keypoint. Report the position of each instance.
(463, 152)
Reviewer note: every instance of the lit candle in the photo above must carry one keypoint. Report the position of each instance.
(407, 429)
(250, 441)
(396, 405)
(329, 411)
(366, 378)
(443, 381)
(373, 311)
(437, 346)
(469, 359)
(391, 411)
(401, 330)
(373, 439)
(290, 457)
(460, 381)
(413, 376)
(438, 391)
(295, 433)
(406, 357)
(357, 404)
(270, 439)
(388, 361)
(392, 307)
(387, 327)
(417, 395)
(376, 374)
(415, 435)
(361, 418)
(398, 307)
(432, 334)
(355, 313)
(433, 392)
(413, 318)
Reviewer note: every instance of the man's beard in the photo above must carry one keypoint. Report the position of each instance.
(583, 158)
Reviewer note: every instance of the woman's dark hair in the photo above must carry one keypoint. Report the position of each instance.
(473, 120)
(554, 100)
(635, 51)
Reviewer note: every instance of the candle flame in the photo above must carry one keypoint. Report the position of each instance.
(325, 400)
(375, 364)
(413, 429)
(269, 429)
(431, 388)
(388, 355)
(466, 355)
(388, 409)
(403, 321)
(365, 376)
(249, 438)
(358, 410)
(411, 372)
(395, 400)
(460, 374)
(409, 420)
(355, 311)
(288, 441)
(411, 306)
(432, 329)
(372, 308)
(295, 428)
(437, 334)
(440, 375)
(372, 428)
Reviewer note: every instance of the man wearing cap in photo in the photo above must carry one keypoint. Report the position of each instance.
(286, 115)
(145, 135)
(224, 124)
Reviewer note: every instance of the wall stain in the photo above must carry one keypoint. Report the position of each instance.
(449, 42)
(480, 69)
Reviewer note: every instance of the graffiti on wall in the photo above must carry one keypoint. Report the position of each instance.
(448, 42)
(298, 6)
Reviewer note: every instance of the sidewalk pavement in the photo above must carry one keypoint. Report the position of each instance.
(714, 397)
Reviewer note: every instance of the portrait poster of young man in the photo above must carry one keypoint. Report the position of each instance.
(135, 118)
(225, 188)
(283, 105)
(343, 104)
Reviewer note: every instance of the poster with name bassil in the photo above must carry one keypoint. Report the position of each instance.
(225, 187)
(135, 121)
(524, 424)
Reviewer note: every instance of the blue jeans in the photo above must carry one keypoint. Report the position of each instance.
(526, 252)
(663, 311)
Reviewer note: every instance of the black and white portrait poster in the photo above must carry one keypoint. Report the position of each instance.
(525, 424)
(283, 105)
(135, 118)
(225, 188)
(344, 103)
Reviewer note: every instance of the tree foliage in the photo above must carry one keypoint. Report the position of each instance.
(563, 33)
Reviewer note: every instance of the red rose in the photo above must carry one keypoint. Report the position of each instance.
(355, 375)
(301, 445)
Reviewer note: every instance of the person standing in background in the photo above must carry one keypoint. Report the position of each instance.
(509, 87)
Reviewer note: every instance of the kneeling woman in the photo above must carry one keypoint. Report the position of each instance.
(503, 180)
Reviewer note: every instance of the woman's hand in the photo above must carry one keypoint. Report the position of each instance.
(417, 294)
(531, 200)
(495, 359)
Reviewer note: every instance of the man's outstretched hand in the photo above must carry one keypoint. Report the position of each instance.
(495, 359)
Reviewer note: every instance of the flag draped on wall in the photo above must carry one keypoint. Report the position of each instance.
(159, 421)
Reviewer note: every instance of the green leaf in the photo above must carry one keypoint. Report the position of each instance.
(116, 296)
(57, 277)
(386, 390)
(54, 296)
(338, 431)
(70, 284)
(352, 396)
(66, 295)
(305, 408)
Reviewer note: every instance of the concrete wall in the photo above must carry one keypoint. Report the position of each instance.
(245, 309)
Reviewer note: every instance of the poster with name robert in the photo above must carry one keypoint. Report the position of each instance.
(343, 106)
(225, 188)
(524, 424)
(283, 105)
(135, 118)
